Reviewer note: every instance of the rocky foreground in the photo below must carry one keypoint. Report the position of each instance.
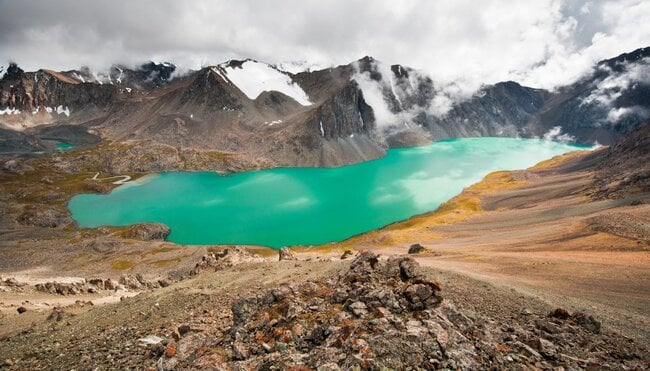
(371, 313)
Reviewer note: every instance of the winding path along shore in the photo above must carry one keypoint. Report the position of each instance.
(124, 178)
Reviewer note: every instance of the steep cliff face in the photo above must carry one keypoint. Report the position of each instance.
(504, 109)
(343, 114)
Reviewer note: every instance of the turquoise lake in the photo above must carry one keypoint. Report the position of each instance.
(309, 206)
(62, 146)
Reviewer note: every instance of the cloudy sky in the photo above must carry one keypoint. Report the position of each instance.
(542, 43)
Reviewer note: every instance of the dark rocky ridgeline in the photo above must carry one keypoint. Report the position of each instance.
(145, 77)
(28, 91)
(203, 110)
(386, 315)
(148, 76)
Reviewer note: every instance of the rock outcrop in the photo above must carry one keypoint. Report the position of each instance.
(147, 232)
(44, 216)
(375, 314)
(384, 314)
(228, 257)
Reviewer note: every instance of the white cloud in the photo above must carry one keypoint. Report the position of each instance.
(615, 84)
(555, 135)
(543, 43)
(616, 114)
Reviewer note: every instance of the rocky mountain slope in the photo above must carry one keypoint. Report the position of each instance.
(540, 239)
(329, 117)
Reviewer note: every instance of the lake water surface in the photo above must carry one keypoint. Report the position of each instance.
(307, 206)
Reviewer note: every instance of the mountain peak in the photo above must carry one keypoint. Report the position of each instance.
(12, 70)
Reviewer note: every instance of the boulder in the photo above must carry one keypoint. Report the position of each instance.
(286, 254)
(346, 254)
(587, 322)
(559, 313)
(109, 284)
(416, 249)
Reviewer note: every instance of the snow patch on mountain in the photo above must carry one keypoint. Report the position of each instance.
(253, 78)
(9, 111)
(65, 110)
(300, 66)
(78, 77)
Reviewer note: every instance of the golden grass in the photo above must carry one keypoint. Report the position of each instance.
(121, 265)
(160, 250)
(557, 160)
(163, 263)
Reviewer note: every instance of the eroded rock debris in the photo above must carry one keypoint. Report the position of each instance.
(386, 315)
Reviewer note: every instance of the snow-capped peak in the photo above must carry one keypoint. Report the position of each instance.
(253, 78)
(301, 66)
(3, 71)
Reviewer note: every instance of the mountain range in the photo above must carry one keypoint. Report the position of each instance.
(328, 117)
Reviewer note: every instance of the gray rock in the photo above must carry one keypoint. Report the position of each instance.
(358, 308)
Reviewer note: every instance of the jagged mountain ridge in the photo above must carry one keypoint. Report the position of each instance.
(320, 118)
